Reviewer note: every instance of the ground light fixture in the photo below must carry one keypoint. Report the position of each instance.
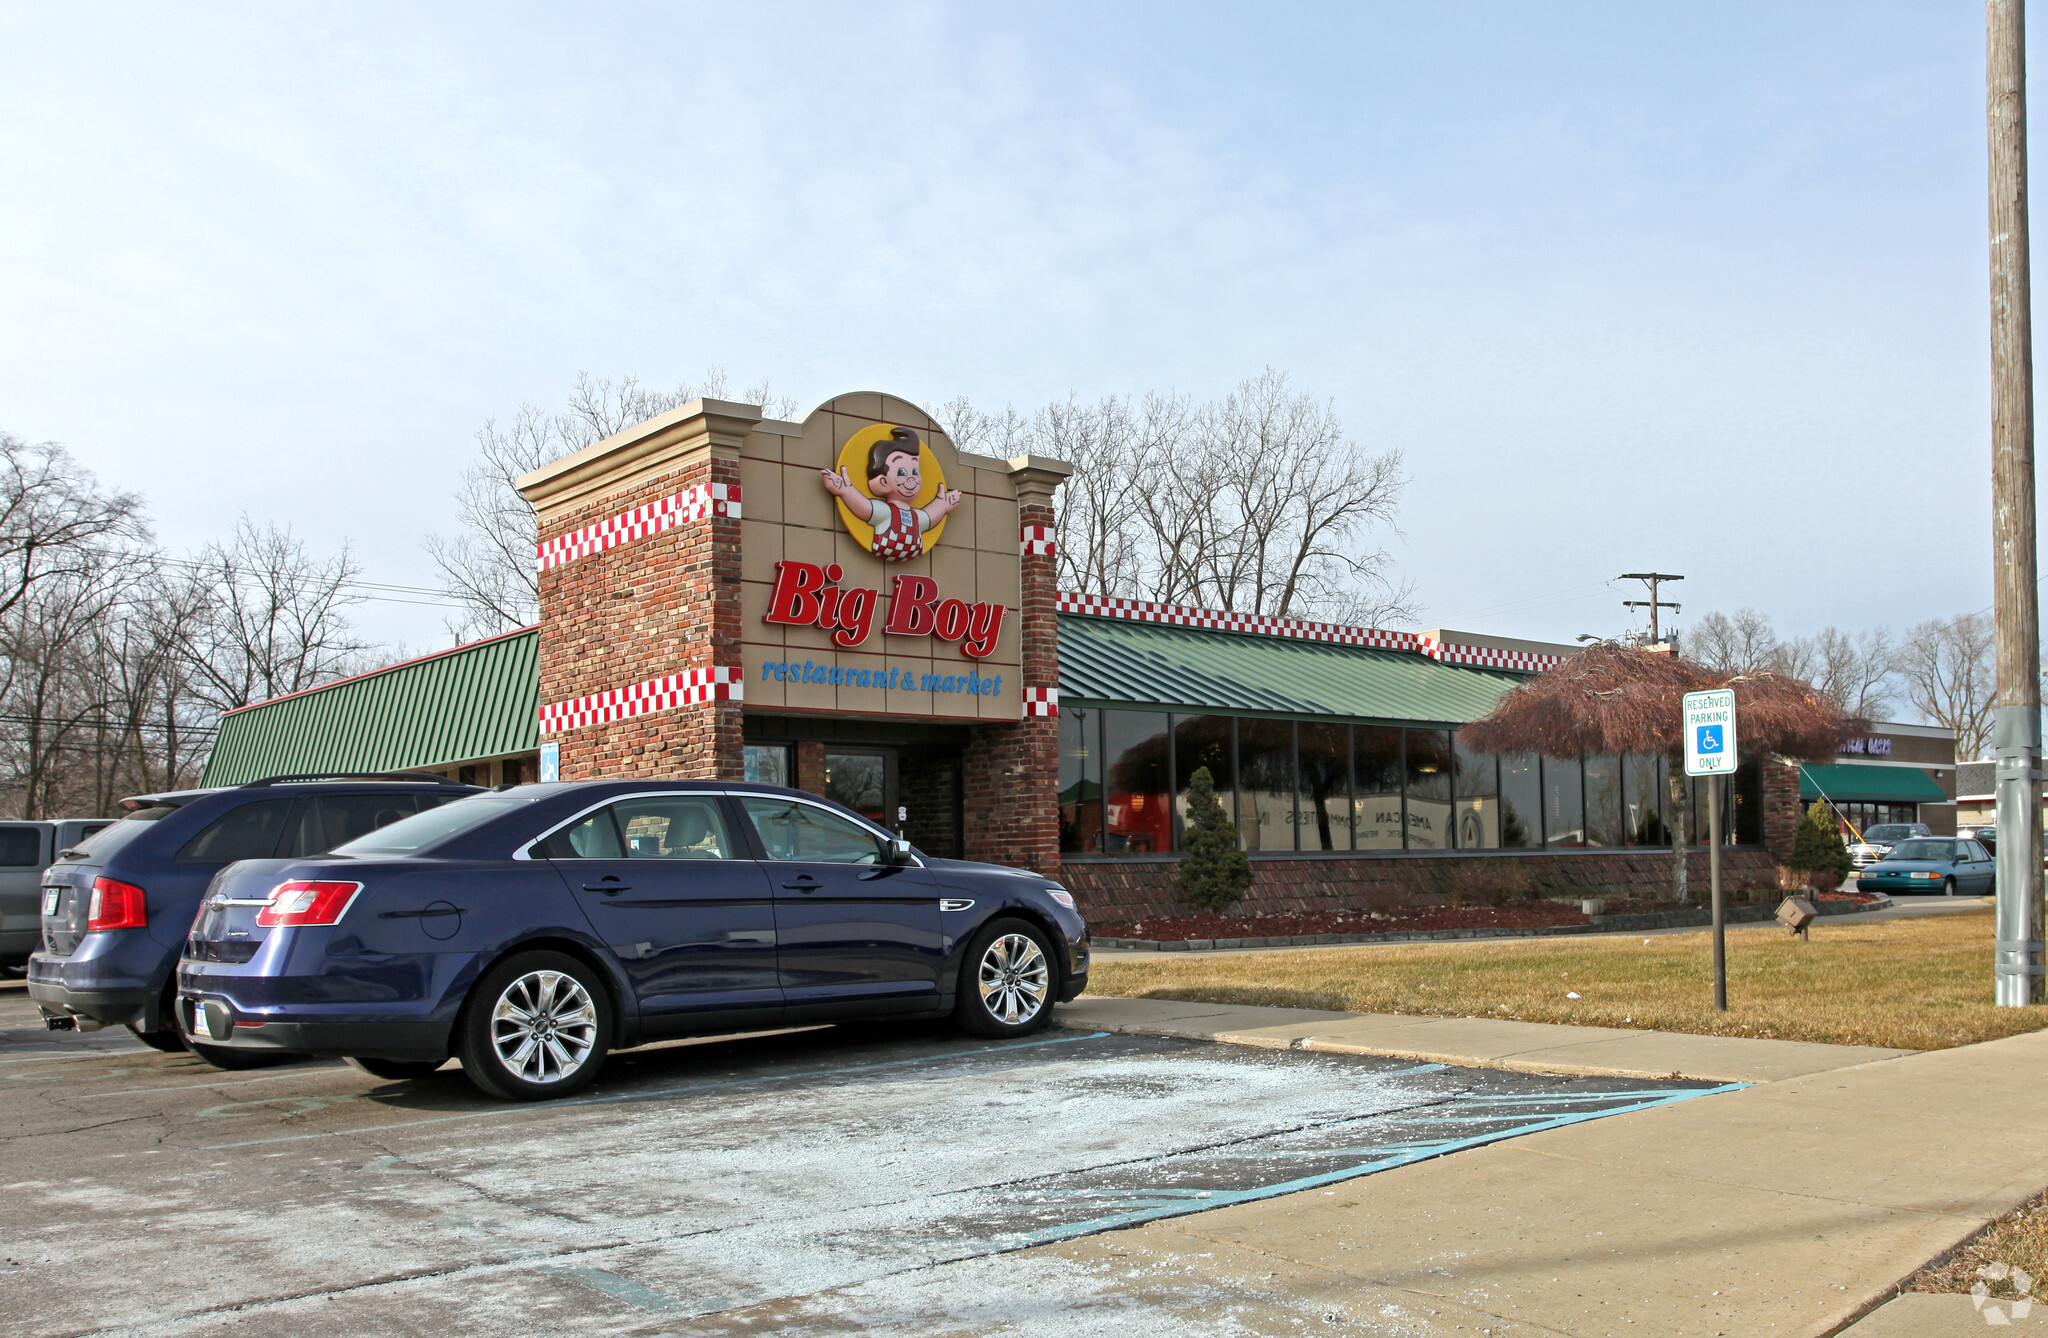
(1796, 913)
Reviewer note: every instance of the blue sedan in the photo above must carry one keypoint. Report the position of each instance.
(1923, 865)
(527, 933)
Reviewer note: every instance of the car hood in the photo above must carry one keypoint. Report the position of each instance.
(975, 867)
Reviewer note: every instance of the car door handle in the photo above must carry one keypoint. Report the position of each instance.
(803, 882)
(611, 887)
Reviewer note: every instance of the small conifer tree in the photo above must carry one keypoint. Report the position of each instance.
(1818, 847)
(1214, 874)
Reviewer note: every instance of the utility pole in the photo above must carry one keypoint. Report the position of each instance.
(1653, 579)
(2016, 715)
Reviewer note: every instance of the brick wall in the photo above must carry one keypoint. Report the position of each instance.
(1122, 890)
(656, 606)
(1781, 806)
(1010, 773)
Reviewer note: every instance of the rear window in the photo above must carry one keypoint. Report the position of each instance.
(21, 847)
(247, 831)
(101, 845)
(1924, 850)
(425, 830)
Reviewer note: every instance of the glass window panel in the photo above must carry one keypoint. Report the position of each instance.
(1603, 801)
(768, 764)
(1429, 789)
(595, 836)
(344, 817)
(1749, 804)
(1376, 786)
(1134, 749)
(1080, 781)
(805, 833)
(1477, 788)
(1325, 786)
(673, 826)
(859, 781)
(1204, 741)
(1698, 830)
(250, 831)
(1265, 765)
(1642, 792)
(1564, 817)
(21, 847)
(1521, 801)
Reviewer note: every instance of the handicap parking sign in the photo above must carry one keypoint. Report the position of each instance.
(1709, 733)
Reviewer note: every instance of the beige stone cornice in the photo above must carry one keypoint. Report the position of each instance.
(702, 426)
(1035, 476)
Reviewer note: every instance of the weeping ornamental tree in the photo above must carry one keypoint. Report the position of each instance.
(1623, 699)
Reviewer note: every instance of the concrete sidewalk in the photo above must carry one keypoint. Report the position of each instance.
(1789, 1207)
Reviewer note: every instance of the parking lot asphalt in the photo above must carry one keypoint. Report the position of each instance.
(150, 1193)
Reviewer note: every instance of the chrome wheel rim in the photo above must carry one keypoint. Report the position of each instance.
(544, 1026)
(1013, 977)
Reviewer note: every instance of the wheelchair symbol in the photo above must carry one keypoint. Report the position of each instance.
(1709, 739)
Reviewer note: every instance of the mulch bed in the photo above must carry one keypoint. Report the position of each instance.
(1532, 914)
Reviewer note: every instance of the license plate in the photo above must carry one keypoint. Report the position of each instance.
(50, 895)
(198, 1027)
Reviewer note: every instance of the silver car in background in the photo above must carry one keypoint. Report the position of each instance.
(1878, 841)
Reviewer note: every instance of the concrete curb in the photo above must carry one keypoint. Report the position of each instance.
(1600, 924)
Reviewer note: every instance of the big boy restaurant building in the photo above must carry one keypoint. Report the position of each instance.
(852, 606)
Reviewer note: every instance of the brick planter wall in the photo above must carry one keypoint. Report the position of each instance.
(1129, 889)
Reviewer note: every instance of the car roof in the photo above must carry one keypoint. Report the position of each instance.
(292, 785)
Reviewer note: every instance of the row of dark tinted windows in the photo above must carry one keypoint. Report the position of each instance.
(1315, 785)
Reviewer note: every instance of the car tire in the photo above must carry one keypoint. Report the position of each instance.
(537, 1026)
(1948, 887)
(394, 1070)
(168, 1040)
(1008, 980)
(227, 1057)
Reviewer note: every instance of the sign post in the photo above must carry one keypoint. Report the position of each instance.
(1710, 752)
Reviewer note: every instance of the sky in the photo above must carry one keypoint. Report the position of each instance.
(1688, 289)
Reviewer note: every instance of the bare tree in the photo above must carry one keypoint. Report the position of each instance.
(1854, 670)
(1727, 644)
(50, 695)
(275, 620)
(489, 565)
(54, 517)
(1257, 503)
(1946, 669)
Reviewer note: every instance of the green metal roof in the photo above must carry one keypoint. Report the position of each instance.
(1848, 782)
(1111, 661)
(479, 700)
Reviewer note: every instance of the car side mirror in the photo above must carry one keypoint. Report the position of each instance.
(896, 853)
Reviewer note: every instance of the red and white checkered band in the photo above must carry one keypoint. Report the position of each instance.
(656, 694)
(691, 504)
(1041, 701)
(1141, 611)
(1037, 540)
(1487, 657)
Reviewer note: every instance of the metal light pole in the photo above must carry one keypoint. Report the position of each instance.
(2016, 718)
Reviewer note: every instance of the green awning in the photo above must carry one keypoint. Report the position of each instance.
(1111, 661)
(1859, 782)
(476, 701)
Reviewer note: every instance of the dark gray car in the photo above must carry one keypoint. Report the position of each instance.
(26, 849)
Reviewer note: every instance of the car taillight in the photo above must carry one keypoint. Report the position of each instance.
(116, 906)
(305, 903)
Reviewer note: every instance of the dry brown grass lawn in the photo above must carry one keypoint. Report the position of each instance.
(1922, 984)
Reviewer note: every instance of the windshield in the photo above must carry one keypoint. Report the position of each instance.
(410, 835)
(1895, 832)
(1924, 850)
